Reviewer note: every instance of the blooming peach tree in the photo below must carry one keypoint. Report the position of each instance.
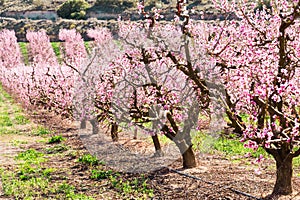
(258, 56)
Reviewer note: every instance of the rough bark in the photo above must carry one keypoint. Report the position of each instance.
(158, 150)
(188, 158)
(135, 133)
(95, 126)
(114, 132)
(83, 124)
(284, 173)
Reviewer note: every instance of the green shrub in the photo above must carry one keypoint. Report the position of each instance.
(73, 9)
(31, 156)
(56, 149)
(56, 139)
(100, 174)
(89, 160)
(114, 5)
(40, 130)
(108, 2)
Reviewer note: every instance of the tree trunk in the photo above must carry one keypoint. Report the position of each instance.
(114, 132)
(83, 124)
(95, 126)
(135, 133)
(186, 150)
(188, 156)
(158, 150)
(284, 173)
(135, 129)
(189, 159)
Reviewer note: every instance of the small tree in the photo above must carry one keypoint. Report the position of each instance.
(73, 9)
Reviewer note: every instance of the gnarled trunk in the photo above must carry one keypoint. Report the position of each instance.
(95, 126)
(186, 150)
(158, 150)
(83, 124)
(114, 132)
(188, 156)
(135, 133)
(284, 173)
(189, 159)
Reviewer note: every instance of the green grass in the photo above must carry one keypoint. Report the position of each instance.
(5, 120)
(89, 159)
(129, 187)
(126, 188)
(17, 109)
(10, 114)
(24, 51)
(17, 143)
(69, 192)
(31, 156)
(296, 162)
(56, 149)
(29, 180)
(88, 47)
(101, 174)
(20, 119)
(24, 188)
(6, 95)
(34, 182)
(164, 140)
(8, 131)
(56, 49)
(230, 148)
(41, 131)
(56, 139)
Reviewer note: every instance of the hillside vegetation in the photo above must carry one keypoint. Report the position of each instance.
(99, 5)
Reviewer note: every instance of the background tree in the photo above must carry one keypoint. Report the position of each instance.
(114, 5)
(73, 9)
(154, 51)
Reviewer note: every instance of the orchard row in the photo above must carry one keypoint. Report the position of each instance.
(170, 74)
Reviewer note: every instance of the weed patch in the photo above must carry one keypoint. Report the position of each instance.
(5, 120)
(31, 156)
(101, 174)
(21, 119)
(56, 149)
(135, 186)
(69, 192)
(56, 139)
(40, 131)
(89, 159)
(226, 146)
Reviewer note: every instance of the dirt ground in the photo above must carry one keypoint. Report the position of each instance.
(216, 177)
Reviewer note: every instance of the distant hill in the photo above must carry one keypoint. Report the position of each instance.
(103, 5)
(109, 10)
(25, 5)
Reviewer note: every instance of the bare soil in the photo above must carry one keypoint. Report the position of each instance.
(216, 176)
